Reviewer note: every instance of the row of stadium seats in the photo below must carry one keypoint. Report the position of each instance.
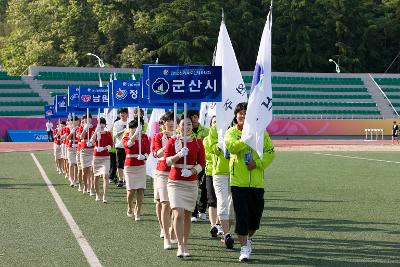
(391, 90)
(320, 89)
(15, 86)
(21, 94)
(393, 96)
(327, 112)
(388, 81)
(313, 96)
(21, 112)
(327, 104)
(57, 86)
(23, 103)
(310, 80)
(81, 76)
(5, 76)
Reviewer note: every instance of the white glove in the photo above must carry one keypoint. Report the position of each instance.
(99, 149)
(183, 152)
(186, 173)
(98, 128)
(86, 127)
(141, 157)
(73, 130)
(108, 148)
(89, 144)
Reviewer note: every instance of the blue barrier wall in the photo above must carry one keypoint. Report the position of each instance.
(27, 136)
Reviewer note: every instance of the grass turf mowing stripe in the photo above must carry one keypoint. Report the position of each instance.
(32, 230)
(352, 157)
(86, 248)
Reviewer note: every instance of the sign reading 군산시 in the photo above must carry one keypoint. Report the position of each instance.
(184, 84)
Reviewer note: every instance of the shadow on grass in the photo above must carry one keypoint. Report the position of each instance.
(328, 225)
(322, 251)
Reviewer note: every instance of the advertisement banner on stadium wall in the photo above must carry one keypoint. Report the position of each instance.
(185, 84)
(27, 135)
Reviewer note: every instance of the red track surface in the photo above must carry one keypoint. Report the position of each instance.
(16, 147)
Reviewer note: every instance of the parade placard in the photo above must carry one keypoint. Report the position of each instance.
(184, 84)
(93, 97)
(125, 93)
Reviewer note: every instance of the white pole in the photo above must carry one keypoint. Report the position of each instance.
(184, 134)
(98, 123)
(87, 122)
(175, 111)
(140, 132)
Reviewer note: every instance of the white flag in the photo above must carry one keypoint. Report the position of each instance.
(259, 108)
(152, 129)
(233, 88)
(207, 111)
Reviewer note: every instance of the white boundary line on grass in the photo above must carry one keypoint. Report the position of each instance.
(83, 243)
(350, 157)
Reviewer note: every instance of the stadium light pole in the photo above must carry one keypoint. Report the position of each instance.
(101, 63)
(336, 64)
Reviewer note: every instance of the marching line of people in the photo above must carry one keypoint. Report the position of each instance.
(191, 175)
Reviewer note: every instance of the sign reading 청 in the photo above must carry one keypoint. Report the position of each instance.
(93, 97)
(125, 93)
(185, 84)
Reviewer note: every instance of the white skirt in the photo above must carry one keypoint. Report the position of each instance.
(86, 157)
(160, 184)
(71, 155)
(101, 165)
(57, 151)
(182, 194)
(135, 177)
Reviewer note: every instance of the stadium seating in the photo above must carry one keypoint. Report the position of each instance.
(5, 76)
(321, 96)
(19, 94)
(387, 81)
(310, 80)
(82, 76)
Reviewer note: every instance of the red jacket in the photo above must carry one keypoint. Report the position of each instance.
(105, 140)
(84, 141)
(157, 145)
(195, 156)
(57, 140)
(134, 150)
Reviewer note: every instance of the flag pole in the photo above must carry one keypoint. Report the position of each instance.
(140, 132)
(175, 111)
(87, 122)
(184, 130)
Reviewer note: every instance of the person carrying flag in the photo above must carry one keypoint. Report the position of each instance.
(246, 180)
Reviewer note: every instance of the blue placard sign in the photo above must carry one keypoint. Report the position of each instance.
(73, 96)
(60, 103)
(185, 84)
(93, 97)
(125, 93)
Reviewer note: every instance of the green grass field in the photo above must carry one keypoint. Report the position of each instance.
(319, 211)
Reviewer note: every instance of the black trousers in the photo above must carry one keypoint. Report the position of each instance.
(113, 166)
(50, 136)
(201, 205)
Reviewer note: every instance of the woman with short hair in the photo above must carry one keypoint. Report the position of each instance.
(135, 166)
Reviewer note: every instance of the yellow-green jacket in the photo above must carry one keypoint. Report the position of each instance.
(202, 132)
(220, 163)
(239, 174)
(209, 157)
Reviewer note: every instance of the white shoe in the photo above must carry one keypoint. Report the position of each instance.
(137, 217)
(130, 215)
(91, 193)
(202, 217)
(97, 198)
(220, 230)
(71, 184)
(104, 199)
(245, 252)
(79, 189)
(161, 234)
(167, 244)
(179, 252)
(174, 241)
(193, 220)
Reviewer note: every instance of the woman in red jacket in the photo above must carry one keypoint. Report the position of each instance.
(72, 144)
(182, 181)
(101, 157)
(86, 153)
(134, 167)
(161, 174)
(57, 147)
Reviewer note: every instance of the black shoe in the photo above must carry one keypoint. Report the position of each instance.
(120, 183)
(229, 241)
(214, 231)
